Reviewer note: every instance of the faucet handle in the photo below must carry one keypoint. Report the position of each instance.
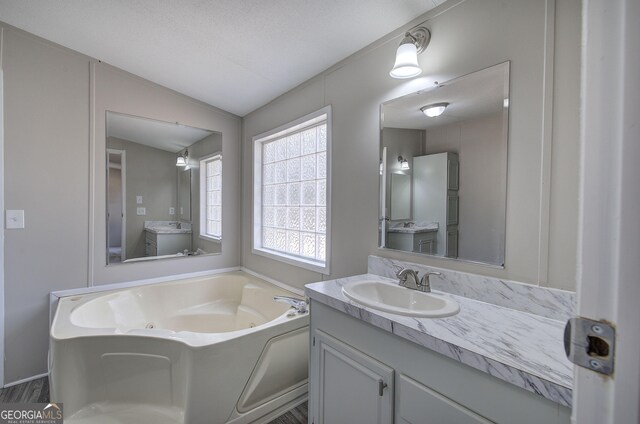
(402, 274)
(425, 284)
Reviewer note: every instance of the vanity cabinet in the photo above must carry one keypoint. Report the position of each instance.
(157, 244)
(352, 387)
(419, 242)
(364, 374)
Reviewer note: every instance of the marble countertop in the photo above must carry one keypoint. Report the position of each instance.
(167, 227)
(169, 230)
(413, 230)
(518, 347)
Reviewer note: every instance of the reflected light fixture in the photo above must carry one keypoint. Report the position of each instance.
(404, 164)
(414, 42)
(434, 110)
(182, 159)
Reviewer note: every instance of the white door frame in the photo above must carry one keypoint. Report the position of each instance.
(123, 192)
(3, 229)
(609, 232)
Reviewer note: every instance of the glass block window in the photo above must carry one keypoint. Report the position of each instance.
(290, 172)
(211, 197)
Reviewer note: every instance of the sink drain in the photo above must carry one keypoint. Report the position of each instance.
(150, 326)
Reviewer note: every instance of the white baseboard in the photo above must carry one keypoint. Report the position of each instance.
(25, 380)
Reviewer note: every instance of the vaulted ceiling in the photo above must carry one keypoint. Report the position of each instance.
(234, 54)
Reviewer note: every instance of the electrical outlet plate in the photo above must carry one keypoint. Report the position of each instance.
(141, 211)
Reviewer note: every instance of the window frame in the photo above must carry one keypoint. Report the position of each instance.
(203, 197)
(256, 237)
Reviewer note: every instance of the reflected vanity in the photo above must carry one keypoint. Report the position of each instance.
(443, 168)
(164, 190)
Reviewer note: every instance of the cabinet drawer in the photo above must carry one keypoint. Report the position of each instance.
(418, 404)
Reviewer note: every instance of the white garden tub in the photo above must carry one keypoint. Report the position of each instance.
(213, 349)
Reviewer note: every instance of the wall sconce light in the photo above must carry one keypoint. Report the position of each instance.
(434, 110)
(182, 159)
(414, 42)
(403, 163)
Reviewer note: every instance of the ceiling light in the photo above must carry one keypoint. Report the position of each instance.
(404, 164)
(434, 110)
(413, 43)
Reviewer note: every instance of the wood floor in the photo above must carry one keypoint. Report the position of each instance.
(32, 391)
(38, 391)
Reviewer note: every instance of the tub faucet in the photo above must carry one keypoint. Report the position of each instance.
(301, 306)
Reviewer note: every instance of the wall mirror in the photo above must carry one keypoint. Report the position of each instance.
(443, 168)
(164, 190)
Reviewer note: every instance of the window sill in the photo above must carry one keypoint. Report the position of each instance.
(310, 264)
(210, 238)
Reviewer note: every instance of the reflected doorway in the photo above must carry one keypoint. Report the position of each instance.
(116, 207)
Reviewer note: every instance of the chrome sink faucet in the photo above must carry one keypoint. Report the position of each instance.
(409, 278)
(425, 284)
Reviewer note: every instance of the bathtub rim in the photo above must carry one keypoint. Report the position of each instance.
(55, 296)
(189, 338)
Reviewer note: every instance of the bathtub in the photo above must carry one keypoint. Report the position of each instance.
(213, 349)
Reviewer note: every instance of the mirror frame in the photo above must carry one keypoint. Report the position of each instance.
(382, 218)
(105, 165)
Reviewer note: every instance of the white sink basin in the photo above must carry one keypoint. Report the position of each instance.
(399, 300)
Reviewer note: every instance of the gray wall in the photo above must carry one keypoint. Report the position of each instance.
(55, 101)
(400, 142)
(46, 103)
(150, 173)
(466, 36)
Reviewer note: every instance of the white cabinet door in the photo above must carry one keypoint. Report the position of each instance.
(418, 404)
(350, 387)
(170, 244)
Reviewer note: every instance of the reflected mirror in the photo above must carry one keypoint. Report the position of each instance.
(164, 190)
(443, 168)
